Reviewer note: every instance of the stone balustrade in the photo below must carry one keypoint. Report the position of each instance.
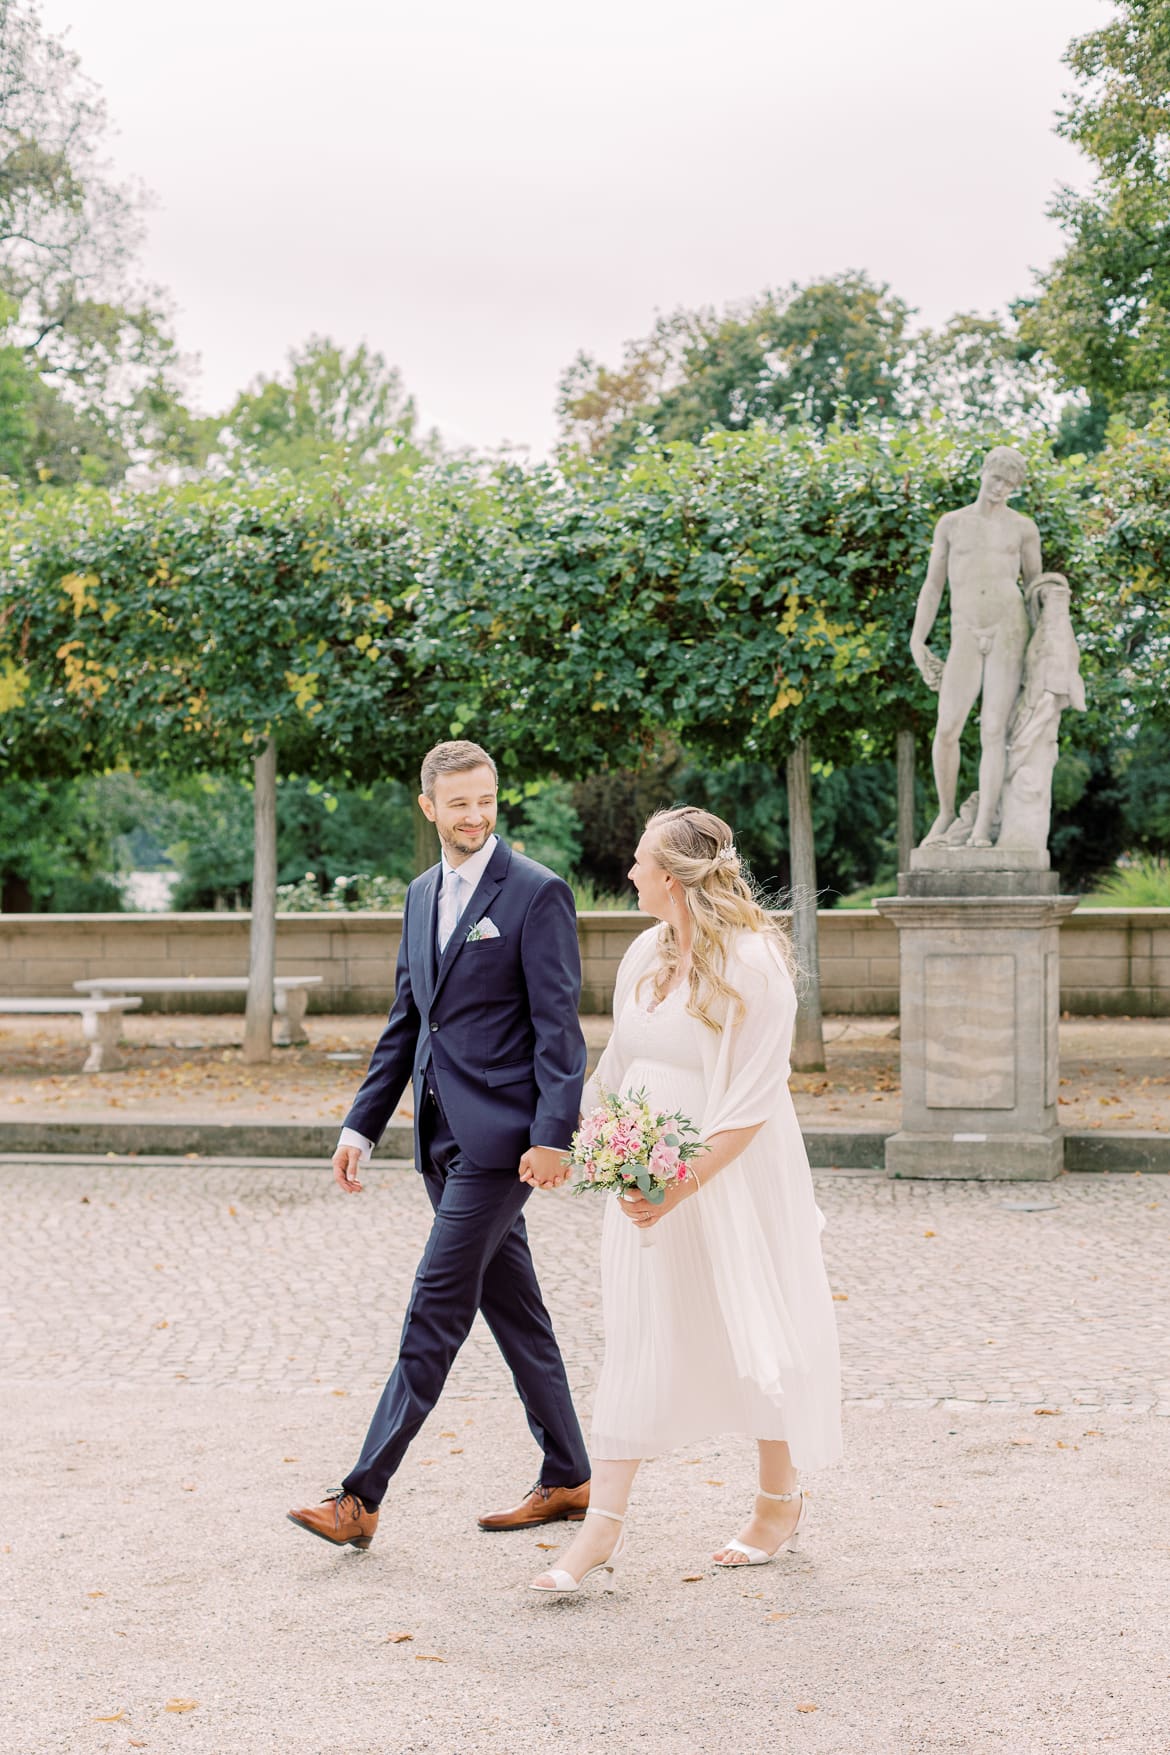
(1113, 960)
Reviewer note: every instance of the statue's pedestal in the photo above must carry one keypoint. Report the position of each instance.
(979, 939)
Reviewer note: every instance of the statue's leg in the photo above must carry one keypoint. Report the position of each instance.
(1002, 675)
(957, 695)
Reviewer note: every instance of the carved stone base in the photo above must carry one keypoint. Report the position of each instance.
(980, 983)
(977, 1157)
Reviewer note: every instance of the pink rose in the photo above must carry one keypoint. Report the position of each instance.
(664, 1162)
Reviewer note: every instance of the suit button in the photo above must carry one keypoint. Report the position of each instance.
(434, 1026)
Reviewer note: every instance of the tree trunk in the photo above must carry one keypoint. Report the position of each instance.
(905, 799)
(808, 1042)
(262, 938)
(426, 844)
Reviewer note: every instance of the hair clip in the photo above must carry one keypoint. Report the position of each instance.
(726, 854)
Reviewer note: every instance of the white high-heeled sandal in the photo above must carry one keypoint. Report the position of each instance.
(758, 1556)
(564, 1584)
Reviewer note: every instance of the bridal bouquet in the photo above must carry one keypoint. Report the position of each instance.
(625, 1144)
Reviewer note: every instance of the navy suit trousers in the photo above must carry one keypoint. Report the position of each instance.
(476, 1258)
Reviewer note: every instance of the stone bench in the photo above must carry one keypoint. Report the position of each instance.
(101, 1022)
(289, 997)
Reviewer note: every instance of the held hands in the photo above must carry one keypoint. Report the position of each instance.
(347, 1161)
(542, 1167)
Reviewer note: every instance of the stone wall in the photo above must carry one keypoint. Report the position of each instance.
(1112, 959)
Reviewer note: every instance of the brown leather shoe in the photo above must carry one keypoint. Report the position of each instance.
(542, 1505)
(340, 1518)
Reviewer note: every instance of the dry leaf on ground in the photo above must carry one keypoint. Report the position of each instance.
(693, 1577)
(179, 1705)
(807, 1706)
(397, 1638)
(424, 1657)
(110, 1718)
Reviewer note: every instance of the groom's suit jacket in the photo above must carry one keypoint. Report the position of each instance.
(492, 1023)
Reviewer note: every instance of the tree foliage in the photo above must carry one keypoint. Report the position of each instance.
(837, 352)
(89, 373)
(1103, 314)
(330, 410)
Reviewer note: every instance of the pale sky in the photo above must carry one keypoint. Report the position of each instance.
(478, 190)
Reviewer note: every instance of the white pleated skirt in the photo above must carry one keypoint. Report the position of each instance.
(669, 1376)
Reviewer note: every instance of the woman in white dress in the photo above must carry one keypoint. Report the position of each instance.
(718, 1314)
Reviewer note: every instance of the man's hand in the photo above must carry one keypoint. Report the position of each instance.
(542, 1167)
(347, 1161)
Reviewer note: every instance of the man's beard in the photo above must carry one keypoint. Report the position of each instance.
(460, 844)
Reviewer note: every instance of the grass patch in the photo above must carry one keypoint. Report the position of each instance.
(1142, 883)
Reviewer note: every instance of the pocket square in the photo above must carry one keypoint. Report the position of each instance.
(485, 928)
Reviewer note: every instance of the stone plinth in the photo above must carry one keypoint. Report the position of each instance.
(980, 986)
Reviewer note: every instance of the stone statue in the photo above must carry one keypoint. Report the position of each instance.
(1052, 682)
(982, 552)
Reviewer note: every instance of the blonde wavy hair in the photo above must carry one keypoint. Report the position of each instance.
(698, 850)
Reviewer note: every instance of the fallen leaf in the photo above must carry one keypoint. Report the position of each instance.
(456, 1450)
(1061, 1445)
(1023, 1441)
(807, 1706)
(1092, 1433)
(95, 1593)
(163, 1324)
(339, 1392)
(137, 1742)
(422, 1657)
(397, 1638)
(110, 1718)
(448, 1435)
(231, 1212)
(1046, 1410)
(840, 1297)
(181, 1705)
(779, 1615)
(290, 1459)
(549, 1547)
(693, 1577)
(712, 1483)
(813, 1708)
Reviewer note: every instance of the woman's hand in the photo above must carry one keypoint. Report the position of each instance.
(644, 1213)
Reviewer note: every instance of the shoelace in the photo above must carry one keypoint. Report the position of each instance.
(338, 1496)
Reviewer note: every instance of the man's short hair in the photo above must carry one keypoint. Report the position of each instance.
(1006, 459)
(453, 758)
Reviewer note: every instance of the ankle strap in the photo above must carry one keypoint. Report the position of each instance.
(596, 1511)
(797, 1493)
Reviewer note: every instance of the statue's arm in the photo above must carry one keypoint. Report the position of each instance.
(929, 599)
(1030, 564)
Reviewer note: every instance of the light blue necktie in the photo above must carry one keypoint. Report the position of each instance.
(453, 904)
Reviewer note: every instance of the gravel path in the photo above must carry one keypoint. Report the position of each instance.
(186, 1351)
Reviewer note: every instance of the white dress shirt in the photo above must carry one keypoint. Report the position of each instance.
(453, 899)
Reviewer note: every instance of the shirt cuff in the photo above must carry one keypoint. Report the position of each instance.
(351, 1138)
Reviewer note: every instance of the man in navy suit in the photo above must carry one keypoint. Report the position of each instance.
(484, 1027)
